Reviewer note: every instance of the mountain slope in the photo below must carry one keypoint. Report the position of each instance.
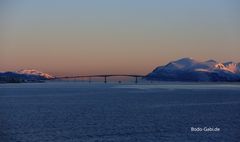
(35, 72)
(187, 69)
(24, 76)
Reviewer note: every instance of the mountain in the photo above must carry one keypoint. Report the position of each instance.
(24, 76)
(35, 72)
(188, 69)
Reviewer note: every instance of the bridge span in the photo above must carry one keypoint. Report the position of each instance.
(105, 76)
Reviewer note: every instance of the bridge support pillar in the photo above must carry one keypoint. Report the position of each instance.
(105, 79)
(136, 80)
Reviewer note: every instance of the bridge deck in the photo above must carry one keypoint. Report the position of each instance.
(102, 75)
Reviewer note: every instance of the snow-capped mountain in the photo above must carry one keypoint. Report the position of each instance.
(188, 69)
(35, 72)
(24, 76)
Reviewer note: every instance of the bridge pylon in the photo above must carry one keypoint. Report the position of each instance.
(136, 79)
(105, 79)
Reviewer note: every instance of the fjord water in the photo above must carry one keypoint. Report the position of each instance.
(88, 112)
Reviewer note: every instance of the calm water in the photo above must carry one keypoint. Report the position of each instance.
(97, 112)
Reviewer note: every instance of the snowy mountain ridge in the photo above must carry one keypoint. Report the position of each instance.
(24, 76)
(210, 65)
(35, 72)
(188, 69)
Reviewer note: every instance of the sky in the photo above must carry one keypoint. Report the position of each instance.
(69, 37)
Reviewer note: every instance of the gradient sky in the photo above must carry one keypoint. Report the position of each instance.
(66, 37)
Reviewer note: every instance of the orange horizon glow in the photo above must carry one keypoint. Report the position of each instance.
(80, 37)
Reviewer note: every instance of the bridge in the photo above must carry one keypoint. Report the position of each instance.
(105, 76)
